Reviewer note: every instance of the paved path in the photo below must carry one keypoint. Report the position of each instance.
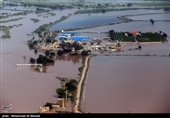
(77, 98)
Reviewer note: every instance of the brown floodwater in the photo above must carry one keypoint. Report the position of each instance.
(114, 84)
(129, 84)
(22, 87)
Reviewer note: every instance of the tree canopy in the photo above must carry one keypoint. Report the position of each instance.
(61, 92)
(71, 85)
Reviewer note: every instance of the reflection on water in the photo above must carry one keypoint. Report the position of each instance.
(73, 58)
(84, 20)
(23, 87)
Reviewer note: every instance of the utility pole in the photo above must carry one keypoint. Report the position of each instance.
(66, 98)
(63, 104)
(85, 107)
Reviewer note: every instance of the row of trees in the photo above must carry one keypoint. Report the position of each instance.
(51, 6)
(49, 56)
(67, 47)
(41, 28)
(141, 37)
(41, 60)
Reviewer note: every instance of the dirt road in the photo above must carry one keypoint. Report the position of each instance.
(77, 98)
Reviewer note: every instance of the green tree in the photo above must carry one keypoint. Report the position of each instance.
(32, 60)
(84, 53)
(71, 85)
(52, 54)
(31, 46)
(60, 52)
(47, 53)
(34, 43)
(61, 92)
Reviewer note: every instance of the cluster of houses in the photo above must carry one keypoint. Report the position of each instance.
(94, 44)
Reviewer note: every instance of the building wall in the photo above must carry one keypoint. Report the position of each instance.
(80, 38)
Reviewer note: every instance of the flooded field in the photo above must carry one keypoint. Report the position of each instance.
(127, 84)
(78, 21)
(84, 20)
(26, 89)
(163, 17)
(136, 25)
(124, 84)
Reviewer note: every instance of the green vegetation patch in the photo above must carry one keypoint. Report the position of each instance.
(1, 17)
(152, 4)
(52, 14)
(6, 32)
(40, 10)
(100, 10)
(143, 37)
(69, 86)
(41, 28)
(44, 3)
(16, 19)
(35, 20)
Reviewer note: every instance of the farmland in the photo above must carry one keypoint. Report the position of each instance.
(142, 37)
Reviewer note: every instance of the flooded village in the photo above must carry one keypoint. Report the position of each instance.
(116, 64)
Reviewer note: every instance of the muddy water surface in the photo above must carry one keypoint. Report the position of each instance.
(22, 86)
(114, 84)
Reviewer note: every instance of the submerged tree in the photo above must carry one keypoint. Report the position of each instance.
(43, 60)
(60, 52)
(152, 21)
(164, 35)
(32, 60)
